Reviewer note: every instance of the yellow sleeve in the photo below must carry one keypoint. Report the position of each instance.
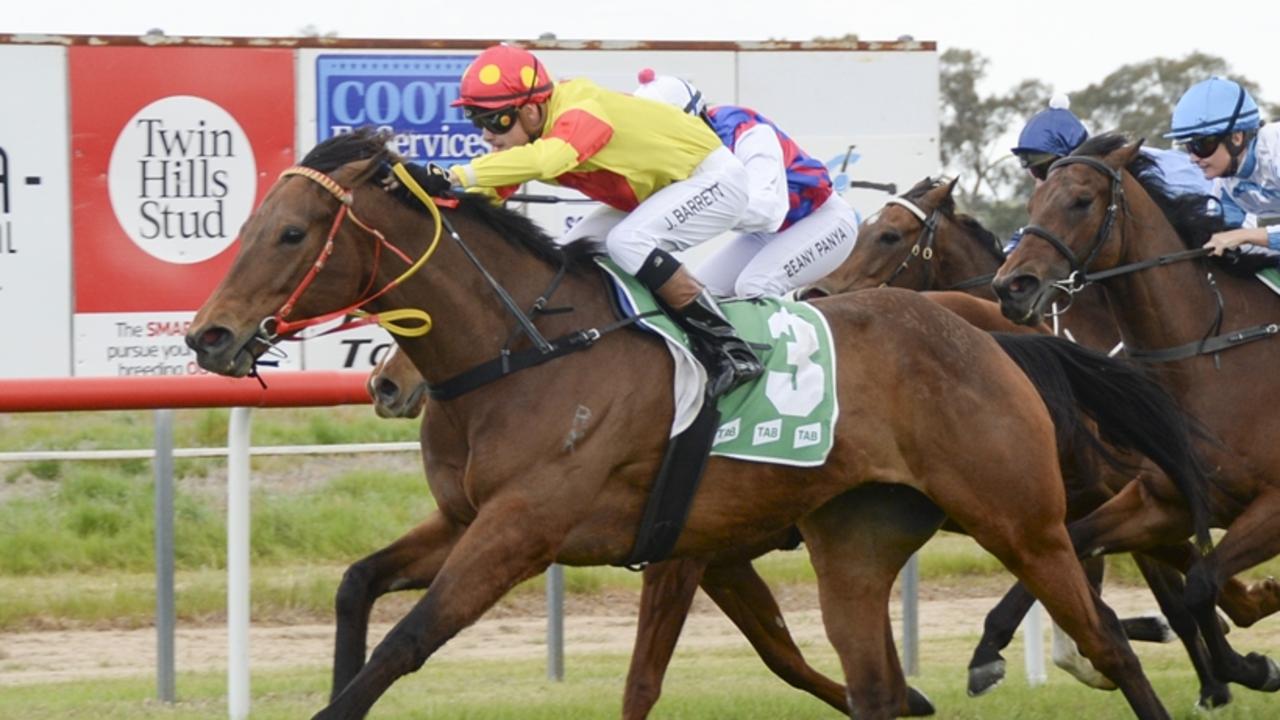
(542, 159)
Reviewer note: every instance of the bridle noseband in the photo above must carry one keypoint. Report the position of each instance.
(924, 244)
(1079, 276)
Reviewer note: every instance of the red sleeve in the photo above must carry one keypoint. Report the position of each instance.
(583, 131)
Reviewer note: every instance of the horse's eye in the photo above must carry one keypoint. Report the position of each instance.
(292, 235)
(889, 237)
(1082, 203)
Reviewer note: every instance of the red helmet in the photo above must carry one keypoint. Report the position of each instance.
(504, 76)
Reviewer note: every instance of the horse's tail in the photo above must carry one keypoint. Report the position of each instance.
(1131, 410)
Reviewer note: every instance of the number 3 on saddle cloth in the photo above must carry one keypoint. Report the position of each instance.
(785, 416)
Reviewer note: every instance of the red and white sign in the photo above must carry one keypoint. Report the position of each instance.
(172, 150)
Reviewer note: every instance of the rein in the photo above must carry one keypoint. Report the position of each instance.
(1211, 343)
(506, 363)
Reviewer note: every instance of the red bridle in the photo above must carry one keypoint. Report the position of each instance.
(281, 326)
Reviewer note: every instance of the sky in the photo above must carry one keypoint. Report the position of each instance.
(1068, 44)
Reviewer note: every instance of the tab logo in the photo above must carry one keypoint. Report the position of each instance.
(767, 432)
(182, 179)
(728, 432)
(807, 435)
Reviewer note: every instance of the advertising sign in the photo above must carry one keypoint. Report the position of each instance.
(406, 94)
(173, 149)
(35, 210)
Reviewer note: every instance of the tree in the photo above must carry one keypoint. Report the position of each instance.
(991, 186)
(1138, 99)
(971, 124)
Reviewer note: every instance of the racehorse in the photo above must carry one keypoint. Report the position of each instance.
(1099, 218)
(399, 391)
(554, 463)
(920, 241)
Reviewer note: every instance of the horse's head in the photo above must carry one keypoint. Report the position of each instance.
(397, 388)
(1073, 215)
(304, 254)
(896, 246)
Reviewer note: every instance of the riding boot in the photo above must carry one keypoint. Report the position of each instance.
(729, 359)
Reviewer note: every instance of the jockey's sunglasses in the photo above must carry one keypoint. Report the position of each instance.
(1037, 164)
(1204, 145)
(498, 122)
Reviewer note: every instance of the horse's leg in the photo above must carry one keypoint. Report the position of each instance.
(1247, 604)
(1040, 553)
(1253, 538)
(1066, 654)
(744, 597)
(664, 604)
(411, 562)
(987, 667)
(1167, 587)
(858, 543)
(498, 550)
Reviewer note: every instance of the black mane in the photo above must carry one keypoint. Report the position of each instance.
(1192, 216)
(370, 143)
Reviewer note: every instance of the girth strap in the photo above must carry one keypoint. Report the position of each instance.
(673, 489)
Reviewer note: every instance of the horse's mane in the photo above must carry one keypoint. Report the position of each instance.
(368, 143)
(968, 223)
(1192, 216)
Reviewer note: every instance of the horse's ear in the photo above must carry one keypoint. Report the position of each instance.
(940, 195)
(364, 169)
(1121, 157)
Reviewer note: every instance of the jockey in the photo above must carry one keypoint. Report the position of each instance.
(665, 180)
(1218, 123)
(1056, 132)
(795, 230)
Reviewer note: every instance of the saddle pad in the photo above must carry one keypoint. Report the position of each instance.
(787, 416)
(1271, 278)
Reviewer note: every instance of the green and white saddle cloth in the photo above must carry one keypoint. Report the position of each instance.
(788, 415)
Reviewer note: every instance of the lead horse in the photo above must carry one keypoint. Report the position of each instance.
(554, 463)
(1097, 219)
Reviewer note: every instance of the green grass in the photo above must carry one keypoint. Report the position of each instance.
(726, 683)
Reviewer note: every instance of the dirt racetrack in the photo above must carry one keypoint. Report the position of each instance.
(516, 629)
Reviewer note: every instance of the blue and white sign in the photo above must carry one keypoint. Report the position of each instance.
(407, 94)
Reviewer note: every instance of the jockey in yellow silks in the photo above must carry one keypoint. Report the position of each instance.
(666, 181)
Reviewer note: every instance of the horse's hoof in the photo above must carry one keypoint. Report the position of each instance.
(984, 678)
(1087, 674)
(1214, 699)
(918, 704)
(1148, 628)
(1272, 683)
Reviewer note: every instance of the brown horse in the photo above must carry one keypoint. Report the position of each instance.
(1094, 220)
(920, 241)
(399, 390)
(554, 463)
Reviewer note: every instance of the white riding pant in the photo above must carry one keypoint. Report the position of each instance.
(772, 264)
(677, 217)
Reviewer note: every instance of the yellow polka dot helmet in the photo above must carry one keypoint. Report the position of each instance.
(504, 76)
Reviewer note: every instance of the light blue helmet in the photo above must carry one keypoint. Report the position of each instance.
(1056, 130)
(1214, 107)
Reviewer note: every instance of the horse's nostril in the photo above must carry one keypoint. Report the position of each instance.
(813, 293)
(387, 389)
(1024, 284)
(211, 339)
